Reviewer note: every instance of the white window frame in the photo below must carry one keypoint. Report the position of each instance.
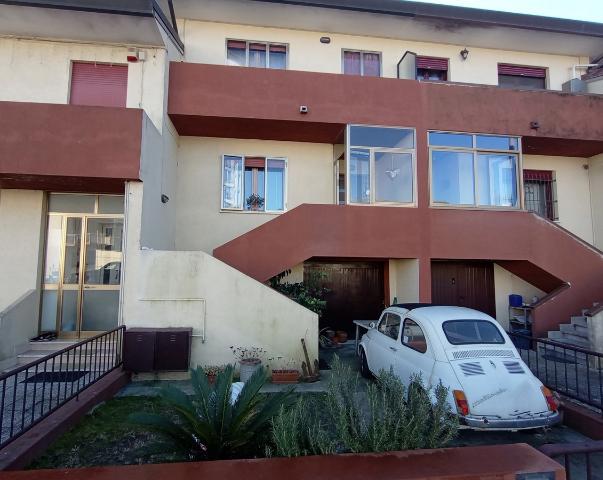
(372, 151)
(362, 53)
(242, 194)
(247, 42)
(475, 151)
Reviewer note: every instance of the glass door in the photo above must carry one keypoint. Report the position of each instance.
(80, 288)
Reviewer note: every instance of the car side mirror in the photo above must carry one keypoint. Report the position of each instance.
(372, 325)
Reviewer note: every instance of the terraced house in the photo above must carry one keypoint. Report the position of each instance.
(160, 161)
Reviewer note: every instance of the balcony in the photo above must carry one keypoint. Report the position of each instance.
(69, 148)
(238, 102)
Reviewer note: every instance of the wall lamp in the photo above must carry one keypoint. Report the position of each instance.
(464, 53)
(164, 198)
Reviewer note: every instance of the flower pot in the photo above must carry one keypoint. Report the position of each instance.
(248, 368)
(342, 336)
(285, 376)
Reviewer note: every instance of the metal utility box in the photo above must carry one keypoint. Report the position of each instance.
(139, 349)
(173, 349)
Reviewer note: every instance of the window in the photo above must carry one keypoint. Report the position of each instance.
(413, 336)
(514, 76)
(98, 84)
(243, 53)
(540, 193)
(432, 68)
(381, 167)
(474, 170)
(253, 184)
(390, 325)
(467, 332)
(367, 64)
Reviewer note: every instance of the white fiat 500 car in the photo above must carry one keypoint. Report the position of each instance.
(489, 384)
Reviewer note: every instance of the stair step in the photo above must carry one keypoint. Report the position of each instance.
(582, 321)
(574, 342)
(575, 329)
(52, 346)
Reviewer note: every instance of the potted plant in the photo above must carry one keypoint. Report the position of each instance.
(285, 371)
(250, 360)
(255, 202)
(212, 372)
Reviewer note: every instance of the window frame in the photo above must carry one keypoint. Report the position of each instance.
(422, 331)
(242, 208)
(248, 42)
(447, 71)
(385, 318)
(550, 190)
(504, 341)
(372, 151)
(475, 151)
(362, 53)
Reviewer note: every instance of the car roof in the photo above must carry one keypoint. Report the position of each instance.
(441, 313)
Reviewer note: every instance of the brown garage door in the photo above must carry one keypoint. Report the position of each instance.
(465, 284)
(356, 291)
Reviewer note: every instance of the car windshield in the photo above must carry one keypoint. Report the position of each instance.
(466, 332)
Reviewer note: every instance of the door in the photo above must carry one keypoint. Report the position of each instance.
(414, 356)
(355, 291)
(82, 272)
(464, 284)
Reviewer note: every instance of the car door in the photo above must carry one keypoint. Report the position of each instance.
(385, 343)
(414, 356)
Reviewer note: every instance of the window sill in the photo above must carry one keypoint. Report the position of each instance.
(383, 204)
(251, 212)
(474, 207)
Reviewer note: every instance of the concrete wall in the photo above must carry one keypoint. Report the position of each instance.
(201, 225)
(595, 85)
(506, 283)
(404, 280)
(40, 71)
(205, 42)
(573, 191)
(224, 306)
(21, 238)
(595, 173)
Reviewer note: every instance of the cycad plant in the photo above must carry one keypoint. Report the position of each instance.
(208, 424)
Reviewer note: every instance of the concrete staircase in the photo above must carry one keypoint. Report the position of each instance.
(576, 333)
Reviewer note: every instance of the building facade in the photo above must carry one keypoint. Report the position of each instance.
(160, 162)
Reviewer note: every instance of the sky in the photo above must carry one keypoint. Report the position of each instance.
(590, 10)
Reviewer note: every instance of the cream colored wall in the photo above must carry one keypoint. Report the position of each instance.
(224, 306)
(404, 280)
(205, 42)
(573, 191)
(21, 227)
(506, 283)
(200, 223)
(40, 71)
(595, 173)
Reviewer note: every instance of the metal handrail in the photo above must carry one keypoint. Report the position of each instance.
(24, 404)
(554, 343)
(58, 353)
(566, 450)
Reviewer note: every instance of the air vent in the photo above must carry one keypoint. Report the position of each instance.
(472, 368)
(513, 367)
(482, 354)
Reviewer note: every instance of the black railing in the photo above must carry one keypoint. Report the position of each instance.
(30, 393)
(572, 371)
(577, 457)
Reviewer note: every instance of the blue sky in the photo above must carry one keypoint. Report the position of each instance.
(590, 10)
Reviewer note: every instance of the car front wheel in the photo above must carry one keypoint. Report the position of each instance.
(364, 368)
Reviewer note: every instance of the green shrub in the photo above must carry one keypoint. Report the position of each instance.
(386, 417)
(208, 425)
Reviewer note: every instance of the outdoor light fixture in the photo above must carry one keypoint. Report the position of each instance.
(164, 198)
(534, 125)
(464, 53)
(303, 109)
(325, 39)
(135, 55)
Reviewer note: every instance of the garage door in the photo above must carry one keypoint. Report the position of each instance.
(464, 284)
(356, 291)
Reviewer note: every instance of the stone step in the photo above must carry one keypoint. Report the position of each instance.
(559, 337)
(51, 346)
(582, 321)
(32, 356)
(574, 329)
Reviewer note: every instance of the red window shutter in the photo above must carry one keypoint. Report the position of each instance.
(538, 175)
(259, 47)
(255, 162)
(432, 63)
(506, 69)
(238, 44)
(98, 84)
(278, 48)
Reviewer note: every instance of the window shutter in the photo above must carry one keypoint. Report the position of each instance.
(538, 175)
(506, 69)
(432, 63)
(278, 49)
(99, 84)
(255, 162)
(241, 45)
